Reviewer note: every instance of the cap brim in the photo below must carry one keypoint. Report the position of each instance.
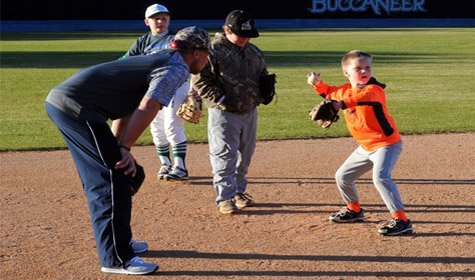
(247, 33)
(164, 12)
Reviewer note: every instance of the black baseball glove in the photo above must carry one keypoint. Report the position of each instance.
(324, 114)
(136, 182)
(267, 87)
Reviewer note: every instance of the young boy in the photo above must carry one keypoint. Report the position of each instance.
(364, 103)
(167, 129)
(230, 88)
(157, 18)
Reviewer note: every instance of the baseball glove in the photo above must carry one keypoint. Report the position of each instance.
(136, 182)
(191, 109)
(267, 88)
(324, 114)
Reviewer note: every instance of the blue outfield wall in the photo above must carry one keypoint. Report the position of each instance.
(104, 25)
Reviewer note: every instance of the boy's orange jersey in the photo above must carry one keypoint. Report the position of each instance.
(365, 113)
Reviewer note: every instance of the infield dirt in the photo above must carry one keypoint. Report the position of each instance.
(46, 232)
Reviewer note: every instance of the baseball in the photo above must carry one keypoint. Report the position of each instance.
(313, 78)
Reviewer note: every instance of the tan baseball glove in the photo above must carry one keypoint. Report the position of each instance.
(191, 109)
(324, 114)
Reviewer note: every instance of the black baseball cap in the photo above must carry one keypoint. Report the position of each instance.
(241, 24)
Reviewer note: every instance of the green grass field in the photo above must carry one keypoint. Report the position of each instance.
(430, 77)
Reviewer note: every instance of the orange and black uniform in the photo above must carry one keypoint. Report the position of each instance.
(365, 113)
(370, 124)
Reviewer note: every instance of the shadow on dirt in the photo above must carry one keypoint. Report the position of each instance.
(313, 258)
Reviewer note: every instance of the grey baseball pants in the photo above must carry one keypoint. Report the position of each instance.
(382, 161)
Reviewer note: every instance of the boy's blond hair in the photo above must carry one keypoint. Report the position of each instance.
(349, 56)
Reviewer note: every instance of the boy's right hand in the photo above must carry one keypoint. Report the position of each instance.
(313, 79)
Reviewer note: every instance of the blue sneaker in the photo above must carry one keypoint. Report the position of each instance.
(135, 266)
(139, 246)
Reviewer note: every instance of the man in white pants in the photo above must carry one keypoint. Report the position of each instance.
(168, 130)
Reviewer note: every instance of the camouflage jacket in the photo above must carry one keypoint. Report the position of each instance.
(230, 80)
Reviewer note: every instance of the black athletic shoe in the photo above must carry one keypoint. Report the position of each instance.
(394, 227)
(177, 174)
(346, 215)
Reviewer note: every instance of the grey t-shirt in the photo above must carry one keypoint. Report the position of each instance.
(114, 89)
(149, 41)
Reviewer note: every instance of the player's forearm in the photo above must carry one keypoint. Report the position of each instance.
(118, 126)
(139, 121)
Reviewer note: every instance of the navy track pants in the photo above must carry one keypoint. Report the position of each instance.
(94, 150)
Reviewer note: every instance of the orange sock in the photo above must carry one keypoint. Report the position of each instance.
(401, 215)
(354, 206)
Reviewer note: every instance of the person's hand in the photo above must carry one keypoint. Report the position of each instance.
(313, 79)
(127, 161)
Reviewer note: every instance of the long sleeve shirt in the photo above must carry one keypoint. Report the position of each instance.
(230, 80)
(365, 112)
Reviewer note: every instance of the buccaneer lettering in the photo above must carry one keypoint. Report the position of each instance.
(377, 6)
